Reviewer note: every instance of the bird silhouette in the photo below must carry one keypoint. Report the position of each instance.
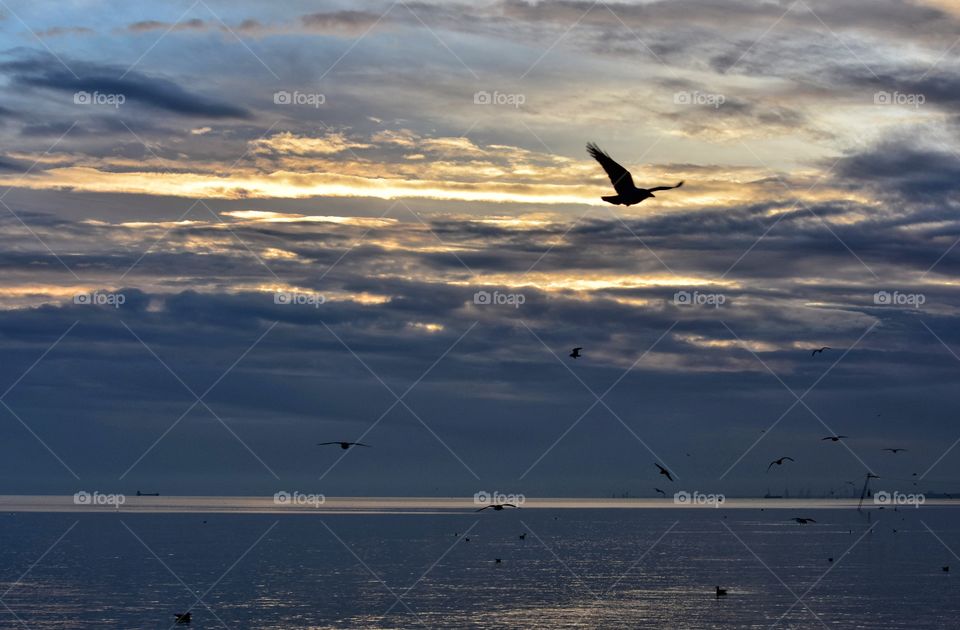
(833, 438)
(344, 445)
(946, 568)
(893, 450)
(627, 193)
(575, 353)
(820, 350)
(660, 491)
(663, 471)
(182, 618)
(721, 592)
(496, 507)
(778, 462)
(803, 521)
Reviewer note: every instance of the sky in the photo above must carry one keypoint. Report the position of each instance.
(232, 230)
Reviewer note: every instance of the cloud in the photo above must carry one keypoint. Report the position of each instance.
(44, 71)
(340, 23)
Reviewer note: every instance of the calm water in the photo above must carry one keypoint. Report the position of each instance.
(587, 567)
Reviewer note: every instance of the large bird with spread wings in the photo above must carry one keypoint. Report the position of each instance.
(627, 193)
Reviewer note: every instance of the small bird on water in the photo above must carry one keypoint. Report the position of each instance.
(183, 617)
(721, 592)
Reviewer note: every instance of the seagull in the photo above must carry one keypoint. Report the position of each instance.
(575, 353)
(803, 521)
(660, 491)
(182, 618)
(721, 592)
(663, 471)
(893, 450)
(778, 462)
(343, 445)
(496, 507)
(833, 438)
(820, 350)
(627, 193)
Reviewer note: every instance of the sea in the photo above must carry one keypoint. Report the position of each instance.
(309, 561)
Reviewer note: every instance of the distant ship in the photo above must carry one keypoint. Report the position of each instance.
(147, 494)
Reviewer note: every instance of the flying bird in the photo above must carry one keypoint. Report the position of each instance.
(663, 471)
(893, 450)
(820, 350)
(803, 521)
(778, 462)
(833, 438)
(660, 491)
(627, 193)
(496, 507)
(575, 353)
(343, 445)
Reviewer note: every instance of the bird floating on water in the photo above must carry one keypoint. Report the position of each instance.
(803, 521)
(627, 193)
(344, 445)
(721, 592)
(183, 617)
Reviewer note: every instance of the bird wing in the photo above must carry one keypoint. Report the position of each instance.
(483, 508)
(771, 465)
(619, 176)
(326, 443)
(360, 444)
(508, 505)
(790, 458)
(666, 187)
(826, 438)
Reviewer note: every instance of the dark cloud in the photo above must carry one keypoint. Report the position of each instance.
(41, 71)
